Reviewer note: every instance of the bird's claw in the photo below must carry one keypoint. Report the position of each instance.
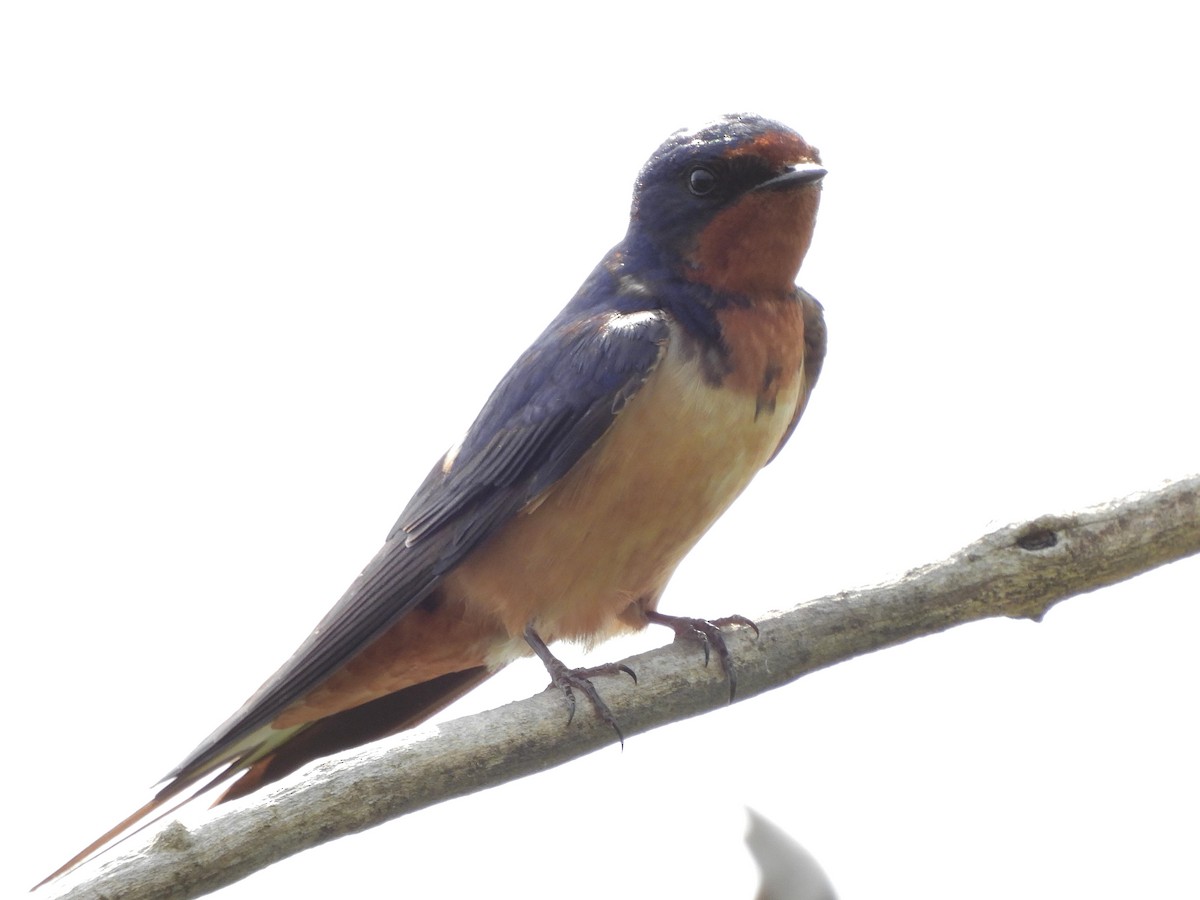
(570, 680)
(708, 633)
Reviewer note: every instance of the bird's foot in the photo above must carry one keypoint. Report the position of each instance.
(708, 633)
(570, 680)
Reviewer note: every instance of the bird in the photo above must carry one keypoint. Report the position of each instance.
(677, 371)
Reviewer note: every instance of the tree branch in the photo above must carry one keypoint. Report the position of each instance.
(1019, 571)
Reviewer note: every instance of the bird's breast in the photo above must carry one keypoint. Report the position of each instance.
(610, 533)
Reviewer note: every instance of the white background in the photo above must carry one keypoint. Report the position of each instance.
(263, 262)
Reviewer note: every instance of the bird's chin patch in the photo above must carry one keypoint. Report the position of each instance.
(755, 247)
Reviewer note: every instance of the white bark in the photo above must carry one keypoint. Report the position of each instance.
(1018, 571)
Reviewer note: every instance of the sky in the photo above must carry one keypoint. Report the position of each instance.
(263, 262)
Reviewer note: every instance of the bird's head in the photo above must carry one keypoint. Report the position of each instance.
(730, 205)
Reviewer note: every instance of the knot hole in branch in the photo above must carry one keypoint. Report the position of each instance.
(1037, 537)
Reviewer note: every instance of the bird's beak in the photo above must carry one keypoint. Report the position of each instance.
(801, 173)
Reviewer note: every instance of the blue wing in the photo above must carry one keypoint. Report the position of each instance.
(555, 403)
(815, 336)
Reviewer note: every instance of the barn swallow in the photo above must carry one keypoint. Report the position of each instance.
(678, 370)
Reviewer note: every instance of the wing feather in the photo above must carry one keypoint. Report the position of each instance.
(554, 404)
(815, 336)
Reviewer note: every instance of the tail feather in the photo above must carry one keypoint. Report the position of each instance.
(369, 722)
(360, 725)
(116, 835)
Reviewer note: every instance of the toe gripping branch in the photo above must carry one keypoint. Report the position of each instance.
(569, 680)
(708, 633)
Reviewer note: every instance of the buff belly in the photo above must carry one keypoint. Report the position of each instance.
(578, 561)
(586, 558)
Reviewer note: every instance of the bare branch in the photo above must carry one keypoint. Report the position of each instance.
(1018, 571)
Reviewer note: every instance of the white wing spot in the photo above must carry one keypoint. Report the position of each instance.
(448, 459)
(629, 321)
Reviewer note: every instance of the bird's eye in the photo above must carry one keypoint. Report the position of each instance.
(701, 181)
